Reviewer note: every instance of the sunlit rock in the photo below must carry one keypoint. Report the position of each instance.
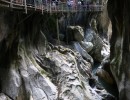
(4, 97)
(88, 46)
(83, 52)
(100, 48)
(72, 72)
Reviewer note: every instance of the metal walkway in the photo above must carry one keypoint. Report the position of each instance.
(48, 7)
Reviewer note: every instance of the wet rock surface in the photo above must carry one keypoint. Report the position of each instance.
(35, 68)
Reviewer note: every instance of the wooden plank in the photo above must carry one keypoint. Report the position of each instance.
(57, 27)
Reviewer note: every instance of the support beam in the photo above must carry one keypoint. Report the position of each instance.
(25, 5)
(11, 3)
(57, 26)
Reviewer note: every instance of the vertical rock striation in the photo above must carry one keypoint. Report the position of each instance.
(31, 68)
(118, 11)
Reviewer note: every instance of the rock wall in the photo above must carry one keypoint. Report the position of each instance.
(118, 11)
(103, 22)
(32, 68)
(51, 56)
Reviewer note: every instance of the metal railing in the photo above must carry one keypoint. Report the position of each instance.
(52, 7)
(63, 7)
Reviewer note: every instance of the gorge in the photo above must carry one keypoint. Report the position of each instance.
(65, 56)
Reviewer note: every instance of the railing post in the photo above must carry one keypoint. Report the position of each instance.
(62, 6)
(11, 5)
(35, 4)
(22, 2)
(57, 26)
(42, 8)
(50, 6)
(47, 7)
(25, 5)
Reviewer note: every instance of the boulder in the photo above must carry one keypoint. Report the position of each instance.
(88, 46)
(106, 78)
(100, 48)
(83, 52)
(76, 32)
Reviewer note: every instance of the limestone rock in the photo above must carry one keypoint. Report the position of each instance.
(100, 49)
(106, 78)
(120, 46)
(30, 70)
(70, 80)
(4, 97)
(83, 52)
(88, 46)
(76, 31)
(26, 79)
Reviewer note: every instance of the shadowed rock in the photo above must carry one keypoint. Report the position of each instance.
(118, 11)
(106, 78)
(75, 32)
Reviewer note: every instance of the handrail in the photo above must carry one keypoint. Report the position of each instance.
(50, 7)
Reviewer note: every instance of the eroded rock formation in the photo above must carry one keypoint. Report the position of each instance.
(33, 66)
(118, 11)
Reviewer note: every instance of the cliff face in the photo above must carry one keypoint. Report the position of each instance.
(118, 11)
(103, 22)
(33, 66)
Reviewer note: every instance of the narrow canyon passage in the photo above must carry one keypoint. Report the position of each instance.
(65, 55)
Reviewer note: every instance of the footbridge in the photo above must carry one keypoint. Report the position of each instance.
(50, 6)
